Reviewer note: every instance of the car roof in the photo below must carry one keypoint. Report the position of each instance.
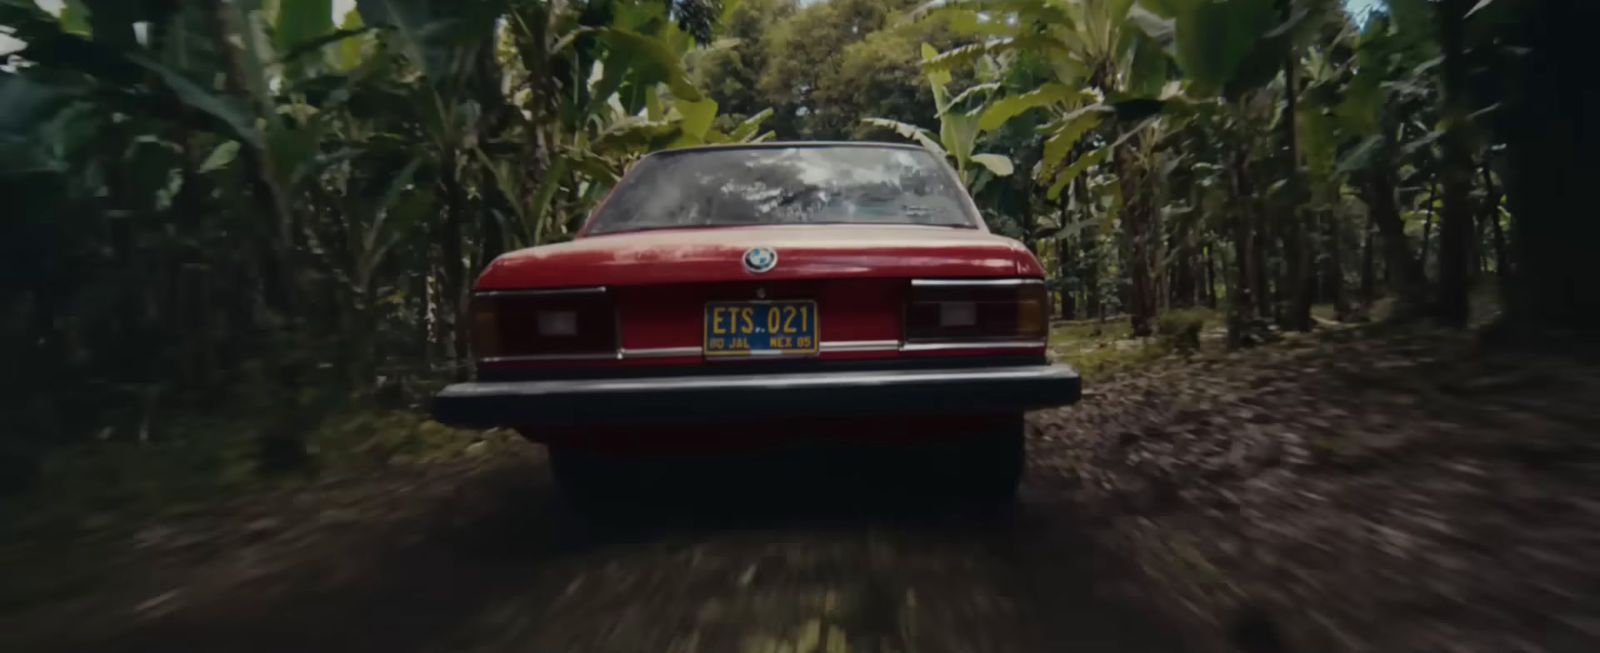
(787, 144)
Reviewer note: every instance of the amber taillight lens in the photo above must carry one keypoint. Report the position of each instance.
(954, 310)
(543, 323)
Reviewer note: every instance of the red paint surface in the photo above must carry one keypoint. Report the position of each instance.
(713, 254)
(857, 274)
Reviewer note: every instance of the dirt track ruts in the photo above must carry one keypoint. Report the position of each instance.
(485, 556)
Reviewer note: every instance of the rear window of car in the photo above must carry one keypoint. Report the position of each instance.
(785, 185)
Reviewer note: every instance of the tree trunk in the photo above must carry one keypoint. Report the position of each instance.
(1211, 278)
(1478, 264)
(422, 291)
(1551, 145)
(1455, 220)
(1136, 220)
(1427, 236)
(1088, 262)
(1260, 270)
(1427, 231)
(1185, 277)
(1161, 281)
(1479, 249)
(1491, 215)
(1369, 272)
(453, 275)
(1297, 282)
(1403, 270)
(1093, 304)
(1242, 294)
(1333, 268)
(1064, 267)
(1030, 227)
(281, 444)
(266, 185)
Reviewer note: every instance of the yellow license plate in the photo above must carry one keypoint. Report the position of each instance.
(761, 328)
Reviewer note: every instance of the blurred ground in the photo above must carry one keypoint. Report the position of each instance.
(1346, 491)
(483, 556)
(1353, 491)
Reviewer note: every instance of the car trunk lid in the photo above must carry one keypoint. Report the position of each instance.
(711, 255)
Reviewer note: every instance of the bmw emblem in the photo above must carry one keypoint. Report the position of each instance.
(760, 259)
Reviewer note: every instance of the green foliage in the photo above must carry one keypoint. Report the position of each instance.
(732, 74)
(301, 22)
(1100, 349)
(1215, 39)
(1198, 126)
(959, 130)
(880, 75)
(248, 192)
(1181, 329)
(361, 441)
(820, 72)
(1000, 111)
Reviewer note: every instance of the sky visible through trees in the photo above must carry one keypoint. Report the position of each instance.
(1360, 8)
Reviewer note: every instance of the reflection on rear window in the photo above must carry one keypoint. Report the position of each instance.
(791, 185)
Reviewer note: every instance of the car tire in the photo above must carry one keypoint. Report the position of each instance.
(988, 466)
(998, 463)
(588, 479)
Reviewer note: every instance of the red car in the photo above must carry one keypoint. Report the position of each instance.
(738, 296)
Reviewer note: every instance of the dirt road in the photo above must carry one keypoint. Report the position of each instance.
(485, 556)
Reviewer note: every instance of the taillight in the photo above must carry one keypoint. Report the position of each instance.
(944, 310)
(533, 324)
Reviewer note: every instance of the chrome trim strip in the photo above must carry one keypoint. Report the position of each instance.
(755, 381)
(861, 345)
(932, 283)
(662, 352)
(827, 347)
(840, 346)
(974, 344)
(541, 292)
(551, 358)
(758, 353)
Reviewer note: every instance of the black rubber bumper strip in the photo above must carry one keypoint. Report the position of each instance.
(756, 396)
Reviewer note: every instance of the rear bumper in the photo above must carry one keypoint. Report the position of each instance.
(586, 402)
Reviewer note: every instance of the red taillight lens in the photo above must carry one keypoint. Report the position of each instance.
(525, 324)
(1012, 309)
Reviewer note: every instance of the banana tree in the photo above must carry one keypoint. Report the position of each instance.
(960, 127)
(598, 96)
(148, 164)
(1387, 93)
(1121, 50)
(1100, 65)
(1098, 62)
(1229, 51)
